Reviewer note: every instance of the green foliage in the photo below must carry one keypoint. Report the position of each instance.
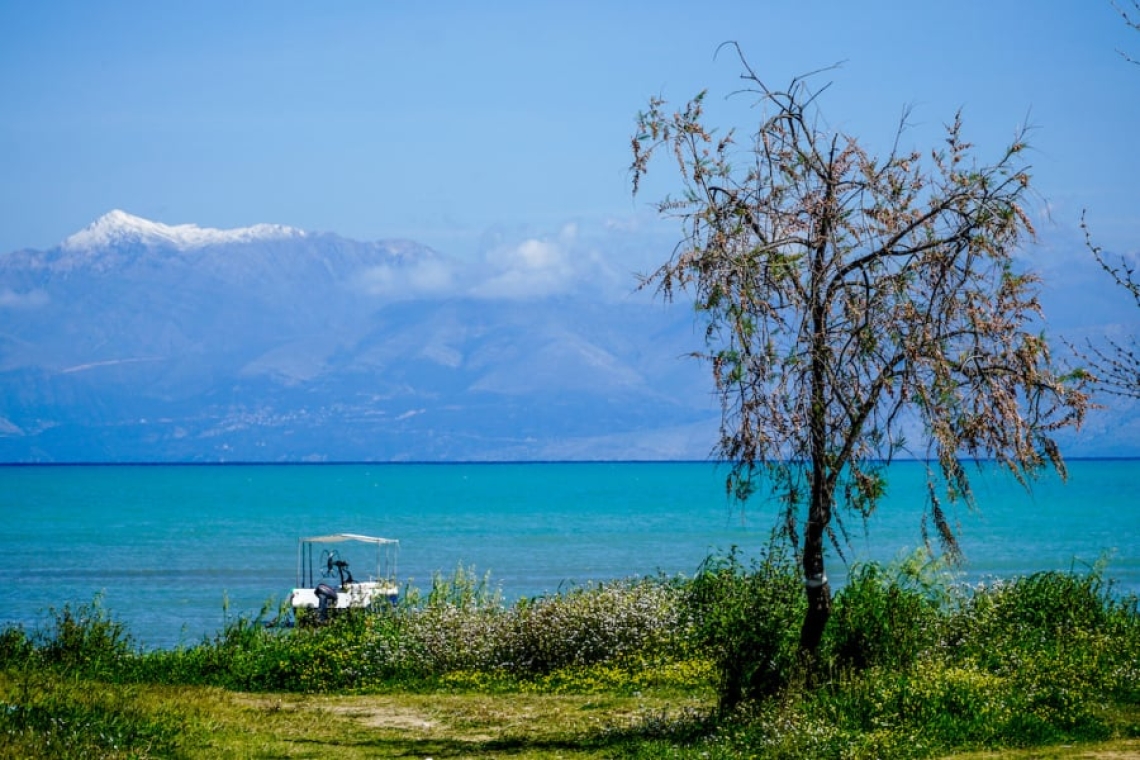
(15, 647)
(913, 665)
(1044, 659)
(920, 667)
(624, 621)
(748, 623)
(1063, 638)
(1041, 611)
(887, 616)
(251, 656)
(49, 715)
(85, 639)
(461, 626)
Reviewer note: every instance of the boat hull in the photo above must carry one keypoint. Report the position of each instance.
(351, 595)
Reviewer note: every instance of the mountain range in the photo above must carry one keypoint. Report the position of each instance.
(136, 341)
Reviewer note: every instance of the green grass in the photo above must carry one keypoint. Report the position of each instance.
(88, 719)
(208, 722)
(43, 714)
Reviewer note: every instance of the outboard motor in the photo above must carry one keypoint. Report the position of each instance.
(325, 595)
(342, 570)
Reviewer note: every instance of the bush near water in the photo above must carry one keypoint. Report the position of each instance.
(914, 665)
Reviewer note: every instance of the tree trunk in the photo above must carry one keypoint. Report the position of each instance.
(815, 620)
(815, 577)
(819, 505)
(817, 588)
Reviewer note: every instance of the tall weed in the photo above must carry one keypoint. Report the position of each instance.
(85, 640)
(747, 621)
(46, 715)
(888, 616)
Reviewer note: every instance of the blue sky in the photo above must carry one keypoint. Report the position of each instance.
(461, 125)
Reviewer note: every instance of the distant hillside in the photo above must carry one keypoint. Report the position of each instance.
(138, 341)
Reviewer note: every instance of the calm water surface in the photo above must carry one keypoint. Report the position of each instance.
(169, 547)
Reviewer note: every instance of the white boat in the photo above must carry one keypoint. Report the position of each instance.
(326, 582)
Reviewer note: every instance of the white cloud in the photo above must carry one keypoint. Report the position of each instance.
(429, 277)
(538, 267)
(10, 299)
(530, 269)
(594, 262)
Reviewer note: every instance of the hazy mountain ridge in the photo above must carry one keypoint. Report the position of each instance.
(274, 344)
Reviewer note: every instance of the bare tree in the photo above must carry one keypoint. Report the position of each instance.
(848, 298)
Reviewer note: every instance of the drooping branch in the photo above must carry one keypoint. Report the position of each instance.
(1117, 365)
(1132, 21)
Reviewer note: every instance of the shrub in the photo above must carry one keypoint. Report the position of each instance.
(748, 623)
(15, 647)
(613, 622)
(456, 626)
(888, 616)
(1005, 625)
(85, 640)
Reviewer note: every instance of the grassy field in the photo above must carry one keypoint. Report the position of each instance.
(218, 723)
(522, 726)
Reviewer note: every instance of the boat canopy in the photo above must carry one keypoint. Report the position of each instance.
(335, 538)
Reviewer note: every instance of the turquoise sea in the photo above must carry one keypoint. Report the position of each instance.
(175, 549)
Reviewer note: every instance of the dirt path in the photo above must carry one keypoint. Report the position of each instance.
(448, 725)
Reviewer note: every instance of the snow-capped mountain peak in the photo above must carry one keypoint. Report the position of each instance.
(118, 226)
